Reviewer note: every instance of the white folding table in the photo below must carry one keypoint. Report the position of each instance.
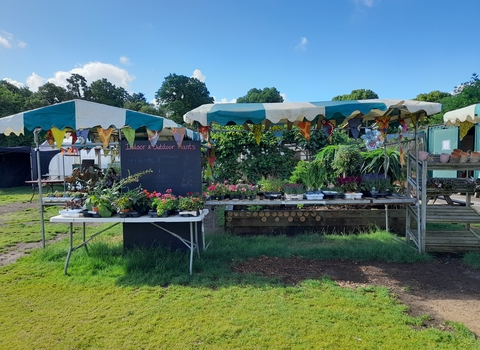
(192, 243)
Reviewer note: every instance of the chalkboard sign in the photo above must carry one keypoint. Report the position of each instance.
(178, 168)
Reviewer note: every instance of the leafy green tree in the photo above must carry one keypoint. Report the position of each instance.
(12, 99)
(359, 94)
(267, 95)
(47, 95)
(433, 96)
(78, 87)
(107, 93)
(180, 94)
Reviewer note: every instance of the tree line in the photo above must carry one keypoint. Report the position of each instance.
(179, 94)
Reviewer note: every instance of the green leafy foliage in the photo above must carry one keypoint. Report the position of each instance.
(375, 162)
(180, 94)
(347, 161)
(240, 159)
(267, 95)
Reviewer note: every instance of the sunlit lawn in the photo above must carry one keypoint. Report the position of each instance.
(146, 299)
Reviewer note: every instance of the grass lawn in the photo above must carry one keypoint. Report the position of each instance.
(145, 299)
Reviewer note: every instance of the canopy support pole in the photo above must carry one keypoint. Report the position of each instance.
(385, 169)
(39, 177)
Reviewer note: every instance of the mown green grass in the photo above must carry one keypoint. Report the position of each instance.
(146, 299)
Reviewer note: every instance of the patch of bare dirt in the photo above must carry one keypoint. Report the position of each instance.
(15, 252)
(445, 289)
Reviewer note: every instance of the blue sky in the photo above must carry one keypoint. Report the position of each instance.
(309, 50)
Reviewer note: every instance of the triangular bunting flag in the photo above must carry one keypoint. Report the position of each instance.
(404, 125)
(277, 130)
(328, 127)
(382, 123)
(464, 127)
(208, 172)
(104, 135)
(203, 130)
(73, 134)
(58, 135)
(354, 126)
(49, 138)
(82, 136)
(97, 151)
(257, 133)
(106, 152)
(305, 129)
(129, 135)
(178, 134)
(153, 136)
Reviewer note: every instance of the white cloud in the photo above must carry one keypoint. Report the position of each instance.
(5, 42)
(368, 3)
(224, 100)
(94, 71)
(14, 82)
(197, 73)
(34, 81)
(125, 60)
(302, 45)
(284, 97)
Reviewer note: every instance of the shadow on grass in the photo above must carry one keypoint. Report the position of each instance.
(157, 266)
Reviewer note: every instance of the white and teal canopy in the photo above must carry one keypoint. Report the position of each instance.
(79, 114)
(466, 114)
(257, 113)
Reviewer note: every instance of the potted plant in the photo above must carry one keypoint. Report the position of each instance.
(349, 185)
(217, 191)
(293, 191)
(314, 177)
(191, 205)
(271, 187)
(375, 185)
(165, 204)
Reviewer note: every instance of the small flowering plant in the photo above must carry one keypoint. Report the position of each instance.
(472, 185)
(165, 202)
(218, 189)
(293, 189)
(440, 184)
(349, 183)
(191, 202)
